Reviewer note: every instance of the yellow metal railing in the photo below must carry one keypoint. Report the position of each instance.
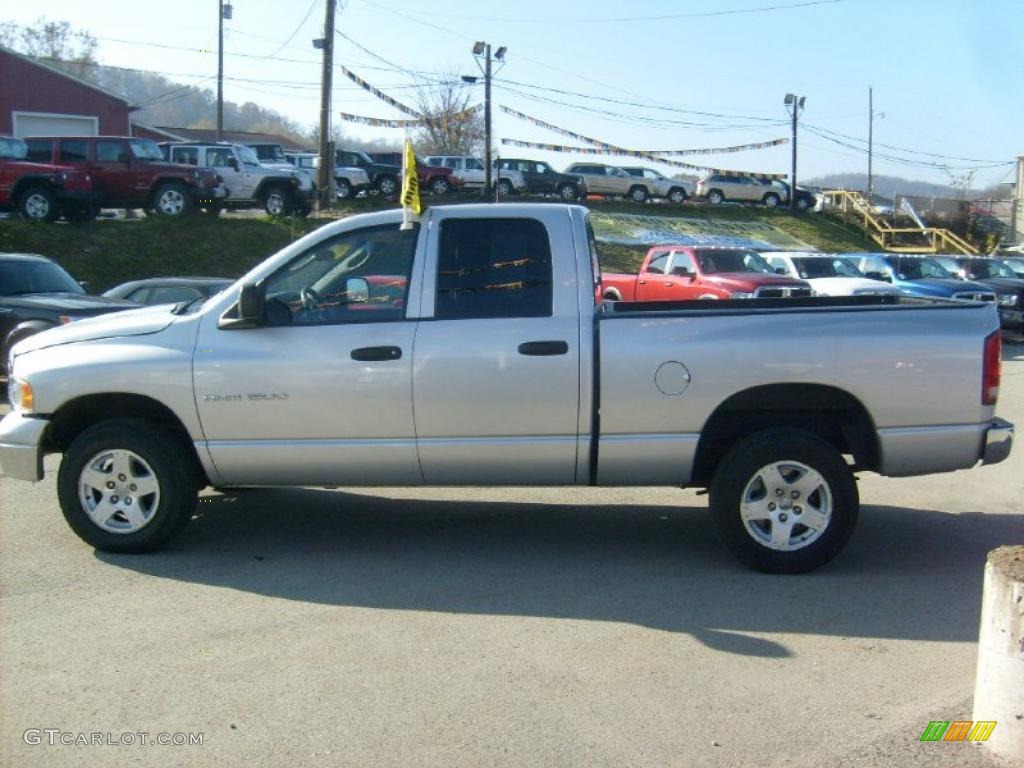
(899, 240)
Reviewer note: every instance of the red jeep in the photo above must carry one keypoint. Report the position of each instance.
(41, 191)
(129, 172)
(681, 272)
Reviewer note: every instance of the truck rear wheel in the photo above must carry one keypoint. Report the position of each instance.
(126, 486)
(784, 501)
(342, 189)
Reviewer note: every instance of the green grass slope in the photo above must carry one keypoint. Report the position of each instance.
(105, 253)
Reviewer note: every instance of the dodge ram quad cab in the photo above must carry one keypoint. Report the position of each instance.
(473, 349)
(679, 272)
(129, 172)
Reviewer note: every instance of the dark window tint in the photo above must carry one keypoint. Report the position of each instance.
(40, 151)
(493, 268)
(171, 294)
(110, 151)
(72, 151)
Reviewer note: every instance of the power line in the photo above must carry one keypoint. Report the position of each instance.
(910, 151)
(291, 37)
(665, 17)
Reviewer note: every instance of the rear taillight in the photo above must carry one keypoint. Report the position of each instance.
(990, 369)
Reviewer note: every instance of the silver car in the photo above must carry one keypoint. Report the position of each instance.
(674, 190)
(611, 180)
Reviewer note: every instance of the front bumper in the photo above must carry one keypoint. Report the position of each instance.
(21, 456)
(998, 441)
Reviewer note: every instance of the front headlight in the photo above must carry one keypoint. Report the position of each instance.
(1008, 300)
(20, 395)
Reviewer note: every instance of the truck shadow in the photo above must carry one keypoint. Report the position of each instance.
(907, 574)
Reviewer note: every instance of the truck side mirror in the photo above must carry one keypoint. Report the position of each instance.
(358, 290)
(248, 311)
(681, 272)
(233, 163)
(878, 276)
(122, 157)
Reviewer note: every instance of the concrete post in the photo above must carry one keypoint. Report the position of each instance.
(999, 687)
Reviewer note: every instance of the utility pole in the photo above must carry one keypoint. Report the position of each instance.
(326, 176)
(487, 122)
(223, 12)
(794, 103)
(871, 130)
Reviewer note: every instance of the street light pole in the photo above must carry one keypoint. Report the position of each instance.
(871, 130)
(794, 103)
(325, 179)
(481, 48)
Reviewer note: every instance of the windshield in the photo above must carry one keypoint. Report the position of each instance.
(13, 149)
(917, 268)
(819, 267)
(145, 149)
(1017, 265)
(983, 268)
(721, 260)
(19, 277)
(246, 155)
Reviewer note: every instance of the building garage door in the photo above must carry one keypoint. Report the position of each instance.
(40, 124)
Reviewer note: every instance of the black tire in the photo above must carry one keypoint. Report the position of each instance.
(277, 200)
(715, 197)
(170, 465)
(342, 189)
(388, 186)
(38, 203)
(802, 203)
(440, 186)
(771, 201)
(505, 187)
(795, 454)
(677, 196)
(638, 194)
(172, 200)
(569, 192)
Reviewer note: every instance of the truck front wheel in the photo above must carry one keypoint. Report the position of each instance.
(172, 199)
(126, 486)
(277, 201)
(784, 501)
(38, 203)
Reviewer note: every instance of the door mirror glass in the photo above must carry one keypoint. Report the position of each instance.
(681, 271)
(233, 163)
(357, 289)
(248, 311)
(877, 276)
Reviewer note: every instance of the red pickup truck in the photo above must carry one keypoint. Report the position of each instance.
(682, 272)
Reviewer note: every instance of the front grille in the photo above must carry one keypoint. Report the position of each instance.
(974, 296)
(781, 292)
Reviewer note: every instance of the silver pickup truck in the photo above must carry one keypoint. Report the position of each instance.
(473, 349)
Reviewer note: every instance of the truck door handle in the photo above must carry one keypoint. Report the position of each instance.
(377, 353)
(542, 348)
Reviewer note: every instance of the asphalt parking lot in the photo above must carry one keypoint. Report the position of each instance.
(504, 627)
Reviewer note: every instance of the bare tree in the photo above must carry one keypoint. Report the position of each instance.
(453, 126)
(55, 40)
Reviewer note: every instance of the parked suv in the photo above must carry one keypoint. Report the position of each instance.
(42, 191)
(611, 181)
(249, 183)
(129, 172)
(719, 188)
(674, 190)
(37, 294)
(1000, 277)
(542, 179)
(349, 181)
(472, 173)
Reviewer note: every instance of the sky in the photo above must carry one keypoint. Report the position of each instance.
(661, 74)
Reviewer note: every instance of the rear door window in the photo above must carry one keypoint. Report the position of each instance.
(493, 268)
(72, 151)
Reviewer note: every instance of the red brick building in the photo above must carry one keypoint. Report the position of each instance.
(37, 99)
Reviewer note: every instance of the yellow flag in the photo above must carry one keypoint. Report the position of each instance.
(410, 180)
